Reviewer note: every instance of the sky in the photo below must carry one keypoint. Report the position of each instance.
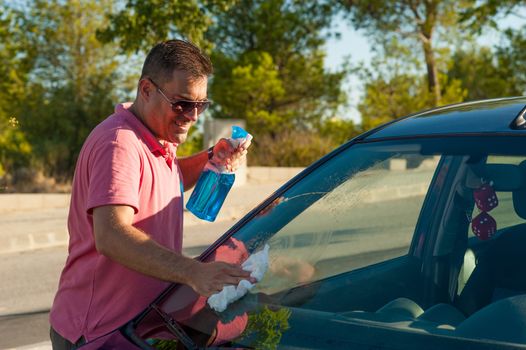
(351, 44)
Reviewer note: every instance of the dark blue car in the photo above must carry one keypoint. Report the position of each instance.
(410, 236)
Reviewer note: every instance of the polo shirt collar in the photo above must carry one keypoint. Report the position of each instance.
(146, 135)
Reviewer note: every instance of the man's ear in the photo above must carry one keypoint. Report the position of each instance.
(145, 89)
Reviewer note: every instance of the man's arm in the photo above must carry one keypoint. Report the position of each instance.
(117, 239)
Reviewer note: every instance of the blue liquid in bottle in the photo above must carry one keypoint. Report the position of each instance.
(210, 193)
(214, 184)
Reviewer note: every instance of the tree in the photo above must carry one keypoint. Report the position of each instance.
(511, 62)
(386, 100)
(394, 88)
(270, 71)
(486, 13)
(487, 74)
(269, 65)
(429, 23)
(73, 80)
(15, 65)
(141, 24)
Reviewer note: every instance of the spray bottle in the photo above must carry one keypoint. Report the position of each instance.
(214, 183)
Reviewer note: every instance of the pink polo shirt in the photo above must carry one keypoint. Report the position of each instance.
(121, 162)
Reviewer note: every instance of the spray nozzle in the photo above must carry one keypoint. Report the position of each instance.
(238, 132)
(239, 135)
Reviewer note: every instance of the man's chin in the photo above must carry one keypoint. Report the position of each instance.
(179, 139)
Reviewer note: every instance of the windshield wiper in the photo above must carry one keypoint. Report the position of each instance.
(175, 329)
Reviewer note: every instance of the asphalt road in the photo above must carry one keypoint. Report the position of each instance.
(30, 279)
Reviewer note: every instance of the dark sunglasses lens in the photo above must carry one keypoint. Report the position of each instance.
(202, 107)
(186, 107)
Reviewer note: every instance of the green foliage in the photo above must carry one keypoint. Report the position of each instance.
(394, 86)
(289, 148)
(15, 65)
(484, 74)
(337, 130)
(15, 151)
(73, 80)
(386, 100)
(511, 60)
(269, 66)
(491, 73)
(486, 12)
(251, 88)
(141, 24)
(161, 344)
(266, 327)
(192, 145)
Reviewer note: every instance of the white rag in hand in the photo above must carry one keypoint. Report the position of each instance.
(257, 264)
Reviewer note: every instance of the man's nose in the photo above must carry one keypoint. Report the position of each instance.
(192, 116)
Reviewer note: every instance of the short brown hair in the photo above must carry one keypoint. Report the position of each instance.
(168, 56)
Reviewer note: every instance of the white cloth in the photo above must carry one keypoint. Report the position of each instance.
(257, 264)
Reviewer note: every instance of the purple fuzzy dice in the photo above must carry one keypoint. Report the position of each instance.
(485, 198)
(484, 226)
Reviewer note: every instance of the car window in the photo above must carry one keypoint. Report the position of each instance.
(379, 203)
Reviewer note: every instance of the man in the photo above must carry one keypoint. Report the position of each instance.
(126, 211)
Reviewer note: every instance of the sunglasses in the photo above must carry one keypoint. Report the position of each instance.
(184, 107)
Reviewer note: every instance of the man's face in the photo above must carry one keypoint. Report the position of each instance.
(164, 122)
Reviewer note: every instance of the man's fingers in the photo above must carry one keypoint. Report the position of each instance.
(211, 291)
(245, 144)
(236, 271)
(232, 281)
(217, 274)
(243, 153)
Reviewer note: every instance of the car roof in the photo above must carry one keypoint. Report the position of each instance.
(487, 116)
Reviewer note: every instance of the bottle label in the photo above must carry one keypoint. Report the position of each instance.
(209, 194)
(214, 183)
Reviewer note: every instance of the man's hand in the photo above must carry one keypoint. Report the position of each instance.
(228, 156)
(224, 155)
(210, 278)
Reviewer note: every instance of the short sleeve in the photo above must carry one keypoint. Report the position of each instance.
(114, 169)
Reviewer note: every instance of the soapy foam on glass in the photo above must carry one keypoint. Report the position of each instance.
(257, 265)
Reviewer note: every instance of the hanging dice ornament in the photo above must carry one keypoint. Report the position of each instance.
(485, 197)
(484, 226)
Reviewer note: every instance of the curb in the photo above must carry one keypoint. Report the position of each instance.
(30, 201)
(38, 240)
(32, 241)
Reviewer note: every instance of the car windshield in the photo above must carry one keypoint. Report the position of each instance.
(374, 227)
